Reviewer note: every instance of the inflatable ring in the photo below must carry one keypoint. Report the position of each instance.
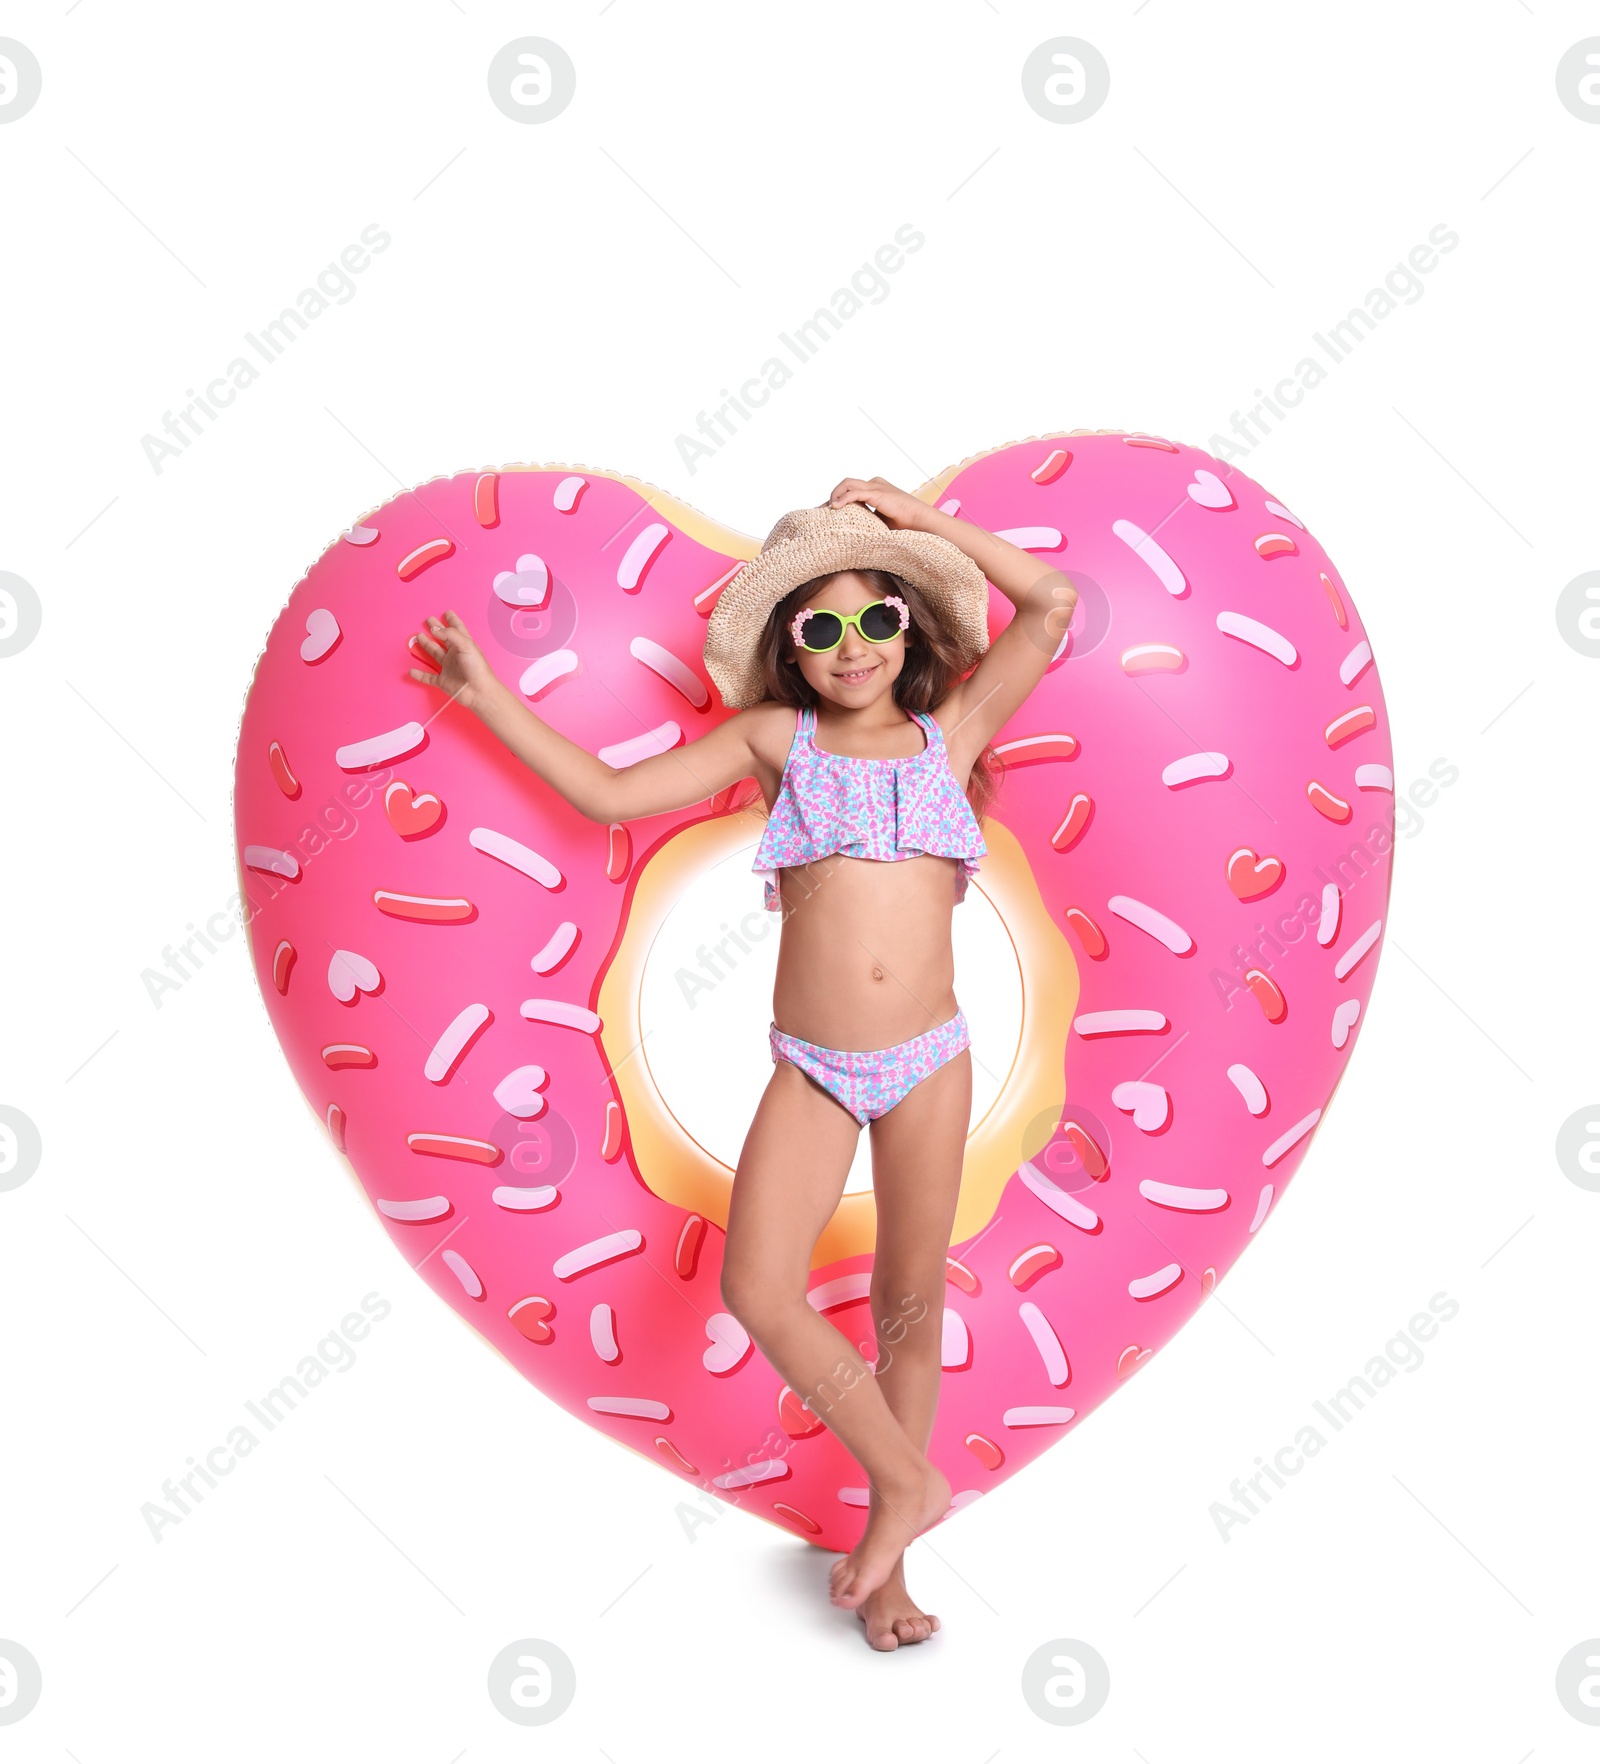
(1190, 858)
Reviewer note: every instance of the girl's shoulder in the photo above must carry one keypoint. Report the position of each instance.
(769, 730)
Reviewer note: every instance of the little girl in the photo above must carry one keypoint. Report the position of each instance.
(864, 622)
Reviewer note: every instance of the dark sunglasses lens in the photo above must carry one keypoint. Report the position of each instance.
(822, 630)
(879, 623)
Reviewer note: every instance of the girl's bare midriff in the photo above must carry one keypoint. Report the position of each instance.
(866, 960)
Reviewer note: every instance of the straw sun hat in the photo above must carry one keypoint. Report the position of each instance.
(811, 542)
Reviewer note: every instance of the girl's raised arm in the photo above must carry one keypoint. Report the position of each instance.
(676, 779)
(1016, 661)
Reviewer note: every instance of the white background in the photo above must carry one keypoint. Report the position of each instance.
(577, 292)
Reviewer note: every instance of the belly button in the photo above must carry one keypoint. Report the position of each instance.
(877, 973)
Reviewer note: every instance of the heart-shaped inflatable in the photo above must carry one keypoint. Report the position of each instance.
(1189, 852)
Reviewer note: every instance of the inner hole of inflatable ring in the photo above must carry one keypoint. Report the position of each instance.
(705, 1004)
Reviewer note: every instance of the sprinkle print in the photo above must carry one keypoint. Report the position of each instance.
(870, 1084)
(1211, 843)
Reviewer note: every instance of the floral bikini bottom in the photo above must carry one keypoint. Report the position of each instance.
(870, 1084)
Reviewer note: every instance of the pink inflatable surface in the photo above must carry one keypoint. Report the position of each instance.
(1198, 804)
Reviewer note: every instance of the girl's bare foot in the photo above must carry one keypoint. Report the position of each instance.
(891, 1616)
(901, 1513)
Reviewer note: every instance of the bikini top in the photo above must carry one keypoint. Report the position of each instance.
(890, 809)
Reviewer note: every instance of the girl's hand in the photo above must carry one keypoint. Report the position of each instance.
(462, 670)
(895, 508)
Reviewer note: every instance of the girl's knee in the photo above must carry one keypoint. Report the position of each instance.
(747, 1297)
(765, 1300)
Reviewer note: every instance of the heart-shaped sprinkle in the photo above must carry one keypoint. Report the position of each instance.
(1210, 491)
(518, 1092)
(411, 816)
(1250, 876)
(730, 1345)
(322, 634)
(526, 585)
(529, 1316)
(1148, 1103)
(349, 973)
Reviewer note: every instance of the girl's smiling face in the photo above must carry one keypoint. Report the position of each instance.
(857, 672)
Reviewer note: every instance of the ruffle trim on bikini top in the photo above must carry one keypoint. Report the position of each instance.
(834, 804)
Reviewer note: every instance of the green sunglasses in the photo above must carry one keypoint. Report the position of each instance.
(879, 621)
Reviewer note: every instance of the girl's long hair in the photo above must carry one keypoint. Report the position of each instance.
(932, 666)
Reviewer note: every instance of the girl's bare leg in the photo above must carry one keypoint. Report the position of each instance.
(917, 1153)
(791, 1174)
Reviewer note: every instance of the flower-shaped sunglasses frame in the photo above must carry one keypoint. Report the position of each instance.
(844, 620)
